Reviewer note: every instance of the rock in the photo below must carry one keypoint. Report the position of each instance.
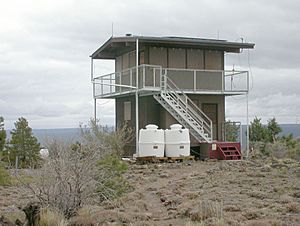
(265, 168)
(162, 199)
(163, 175)
(250, 215)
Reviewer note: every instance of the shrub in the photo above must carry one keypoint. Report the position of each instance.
(65, 180)
(5, 178)
(79, 174)
(95, 136)
(276, 149)
(111, 183)
(118, 139)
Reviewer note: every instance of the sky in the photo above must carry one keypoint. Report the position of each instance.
(45, 48)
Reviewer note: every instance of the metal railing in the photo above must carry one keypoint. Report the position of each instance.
(232, 131)
(209, 80)
(188, 80)
(186, 103)
(125, 81)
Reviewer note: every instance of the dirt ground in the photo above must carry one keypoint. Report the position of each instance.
(265, 192)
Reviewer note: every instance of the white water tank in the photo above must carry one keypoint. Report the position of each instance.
(177, 141)
(151, 141)
(44, 153)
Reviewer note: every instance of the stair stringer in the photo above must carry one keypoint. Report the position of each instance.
(182, 116)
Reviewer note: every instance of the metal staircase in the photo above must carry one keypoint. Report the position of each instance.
(183, 109)
(229, 151)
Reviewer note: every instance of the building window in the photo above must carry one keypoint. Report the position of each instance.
(127, 111)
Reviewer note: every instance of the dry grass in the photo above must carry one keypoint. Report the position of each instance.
(199, 194)
(293, 207)
(52, 218)
(205, 210)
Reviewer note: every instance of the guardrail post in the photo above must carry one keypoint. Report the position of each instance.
(247, 81)
(154, 76)
(186, 104)
(92, 69)
(101, 86)
(94, 88)
(144, 76)
(161, 80)
(137, 100)
(223, 78)
(130, 77)
(231, 82)
(110, 85)
(120, 82)
(195, 80)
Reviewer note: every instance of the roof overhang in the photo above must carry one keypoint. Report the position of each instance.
(116, 46)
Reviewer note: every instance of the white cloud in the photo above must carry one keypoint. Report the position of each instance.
(45, 48)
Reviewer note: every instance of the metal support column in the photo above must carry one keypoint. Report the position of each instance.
(137, 100)
(92, 69)
(94, 94)
(95, 109)
(247, 135)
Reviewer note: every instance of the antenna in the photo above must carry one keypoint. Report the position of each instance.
(112, 29)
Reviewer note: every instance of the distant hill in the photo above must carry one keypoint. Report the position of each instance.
(66, 134)
(73, 134)
(290, 128)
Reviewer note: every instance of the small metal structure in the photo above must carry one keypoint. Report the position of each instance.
(153, 67)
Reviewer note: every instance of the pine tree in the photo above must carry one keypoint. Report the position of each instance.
(2, 134)
(273, 130)
(23, 145)
(257, 131)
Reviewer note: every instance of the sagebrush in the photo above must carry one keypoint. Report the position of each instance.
(86, 172)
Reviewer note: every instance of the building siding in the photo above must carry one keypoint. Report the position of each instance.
(150, 112)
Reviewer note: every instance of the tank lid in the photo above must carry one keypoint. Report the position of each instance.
(151, 126)
(176, 126)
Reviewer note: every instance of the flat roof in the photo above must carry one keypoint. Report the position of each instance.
(116, 46)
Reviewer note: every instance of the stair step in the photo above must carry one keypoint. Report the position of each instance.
(180, 112)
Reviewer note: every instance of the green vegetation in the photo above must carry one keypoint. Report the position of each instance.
(2, 134)
(115, 185)
(5, 178)
(266, 140)
(83, 173)
(273, 129)
(99, 137)
(232, 130)
(257, 132)
(23, 145)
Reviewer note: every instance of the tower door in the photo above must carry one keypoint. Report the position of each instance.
(211, 110)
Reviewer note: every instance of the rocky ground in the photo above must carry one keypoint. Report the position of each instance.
(264, 192)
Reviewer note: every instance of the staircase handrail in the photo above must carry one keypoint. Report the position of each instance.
(188, 104)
